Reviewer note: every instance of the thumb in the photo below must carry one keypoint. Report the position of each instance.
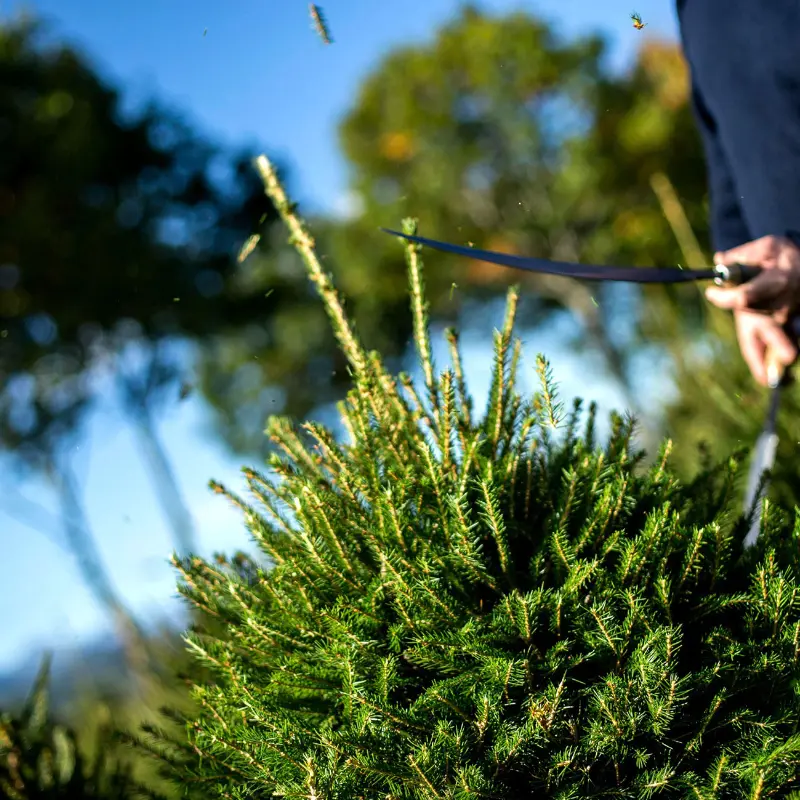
(765, 287)
(729, 299)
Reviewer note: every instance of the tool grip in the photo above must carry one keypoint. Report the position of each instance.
(735, 274)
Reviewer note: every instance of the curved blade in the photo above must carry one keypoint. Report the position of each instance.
(568, 269)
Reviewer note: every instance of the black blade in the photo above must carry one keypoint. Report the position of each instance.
(568, 269)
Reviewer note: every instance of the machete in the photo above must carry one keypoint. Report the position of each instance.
(732, 274)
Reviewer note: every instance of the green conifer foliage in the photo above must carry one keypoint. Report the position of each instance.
(41, 760)
(489, 606)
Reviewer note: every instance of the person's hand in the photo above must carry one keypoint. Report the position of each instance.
(758, 335)
(776, 289)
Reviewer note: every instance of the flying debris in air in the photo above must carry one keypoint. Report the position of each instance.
(248, 247)
(637, 21)
(320, 24)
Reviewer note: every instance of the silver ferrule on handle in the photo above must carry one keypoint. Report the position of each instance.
(723, 276)
(734, 274)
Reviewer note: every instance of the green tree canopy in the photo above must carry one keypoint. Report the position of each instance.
(105, 219)
(112, 231)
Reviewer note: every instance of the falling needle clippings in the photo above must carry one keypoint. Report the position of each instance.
(320, 24)
(248, 247)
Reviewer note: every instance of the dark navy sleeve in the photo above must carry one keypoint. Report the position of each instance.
(744, 61)
(728, 227)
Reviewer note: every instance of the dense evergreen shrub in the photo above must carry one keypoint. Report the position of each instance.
(489, 606)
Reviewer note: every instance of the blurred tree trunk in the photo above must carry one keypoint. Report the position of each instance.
(165, 483)
(139, 392)
(82, 545)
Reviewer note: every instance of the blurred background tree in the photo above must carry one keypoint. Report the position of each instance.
(114, 237)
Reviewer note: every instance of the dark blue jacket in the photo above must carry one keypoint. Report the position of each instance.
(744, 58)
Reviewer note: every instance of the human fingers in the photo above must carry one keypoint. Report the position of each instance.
(765, 291)
(778, 343)
(765, 347)
(752, 347)
(754, 253)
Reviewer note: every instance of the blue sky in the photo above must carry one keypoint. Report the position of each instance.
(244, 71)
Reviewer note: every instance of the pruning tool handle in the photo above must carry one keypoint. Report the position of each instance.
(735, 274)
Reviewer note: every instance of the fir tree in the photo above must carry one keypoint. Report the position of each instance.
(493, 606)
